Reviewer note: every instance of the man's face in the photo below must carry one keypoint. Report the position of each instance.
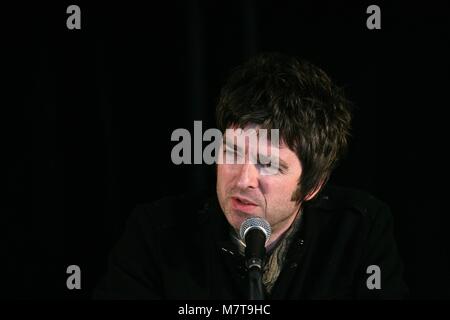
(244, 190)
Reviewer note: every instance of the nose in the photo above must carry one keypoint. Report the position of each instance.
(248, 176)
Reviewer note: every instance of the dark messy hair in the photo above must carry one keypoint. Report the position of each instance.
(276, 91)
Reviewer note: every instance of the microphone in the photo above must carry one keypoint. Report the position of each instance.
(255, 232)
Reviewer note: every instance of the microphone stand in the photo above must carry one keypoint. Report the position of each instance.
(255, 284)
(254, 266)
(255, 251)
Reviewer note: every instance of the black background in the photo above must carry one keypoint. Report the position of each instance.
(87, 116)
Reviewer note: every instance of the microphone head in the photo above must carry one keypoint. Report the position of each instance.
(255, 223)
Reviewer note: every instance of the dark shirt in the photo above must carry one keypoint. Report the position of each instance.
(180, 248)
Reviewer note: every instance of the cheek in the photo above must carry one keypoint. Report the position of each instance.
(224, 176)
(279, 203)
(280, 188)
(292, 185)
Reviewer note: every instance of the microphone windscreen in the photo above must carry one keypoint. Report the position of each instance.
(255, 223)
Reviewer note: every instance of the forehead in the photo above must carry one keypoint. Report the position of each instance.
(252, 131)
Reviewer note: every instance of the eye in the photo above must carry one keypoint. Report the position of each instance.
(228, 150)
(232, 156)
(263, 165)
(264, 162)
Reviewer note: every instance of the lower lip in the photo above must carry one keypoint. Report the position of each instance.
(238, 205)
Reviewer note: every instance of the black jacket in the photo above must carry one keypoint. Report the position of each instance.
(179, 248)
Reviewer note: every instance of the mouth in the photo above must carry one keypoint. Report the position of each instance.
(243, 204)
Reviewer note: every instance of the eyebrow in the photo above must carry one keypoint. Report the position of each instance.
(283, 164)
(231, 144)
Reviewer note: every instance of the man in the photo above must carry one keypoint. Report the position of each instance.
(326, 242)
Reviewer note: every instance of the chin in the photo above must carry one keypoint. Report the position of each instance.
(236, 218)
